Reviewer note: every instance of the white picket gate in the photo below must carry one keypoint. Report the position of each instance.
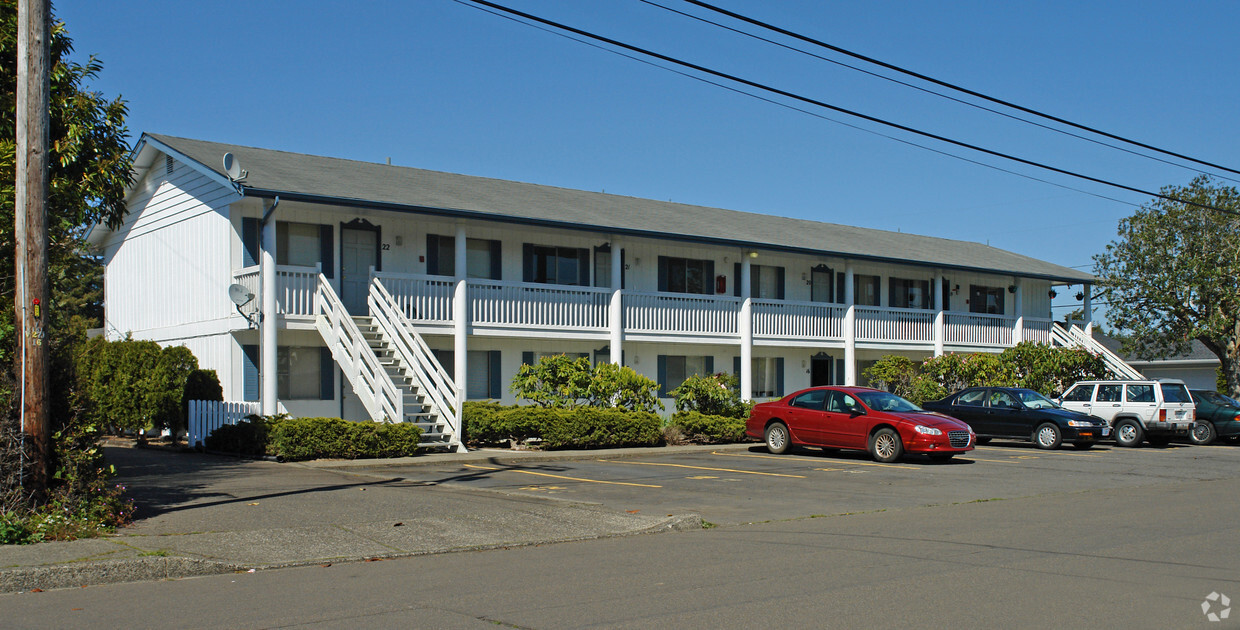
(206, 416)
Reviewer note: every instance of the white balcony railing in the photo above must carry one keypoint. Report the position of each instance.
(295, 287)
(894, 324)
(539, 306)
(1037, 329)
(420, 298)
(680, 313)
(979, 330)
(781, 319)
(424, 299)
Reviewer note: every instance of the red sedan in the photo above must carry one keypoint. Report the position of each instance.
(860, 418)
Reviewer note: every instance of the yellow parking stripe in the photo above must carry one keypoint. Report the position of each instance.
(743, 472)
(842, 463)
(997, 461)
(543, 474)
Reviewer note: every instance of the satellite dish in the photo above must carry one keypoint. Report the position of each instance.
(233, 167)
(239, 294)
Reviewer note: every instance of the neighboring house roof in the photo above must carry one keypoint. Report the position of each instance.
(299, 177)
(1197, 354)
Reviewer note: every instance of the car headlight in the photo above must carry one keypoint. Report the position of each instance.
(925, 430)
(1081, 423)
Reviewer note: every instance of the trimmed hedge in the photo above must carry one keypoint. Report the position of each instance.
(585, 427)
(294, 439)
(709, 429)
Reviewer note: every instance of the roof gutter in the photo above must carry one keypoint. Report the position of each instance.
(264, 193)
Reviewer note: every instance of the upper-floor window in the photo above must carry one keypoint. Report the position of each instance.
(556, 265)
(766, 282)
(826, 285)
(602, 267)
(866, 289)
(984, 299)
(903, 293)
(686, 275)
(482, 257)
(300, 244)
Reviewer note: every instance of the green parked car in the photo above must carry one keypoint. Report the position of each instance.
(1217, 417)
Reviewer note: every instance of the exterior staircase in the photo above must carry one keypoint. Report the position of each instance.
(389, 366)
(417, 408)
(1075, 337)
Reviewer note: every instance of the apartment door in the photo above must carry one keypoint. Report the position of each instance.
(820, 366)
(359, 251)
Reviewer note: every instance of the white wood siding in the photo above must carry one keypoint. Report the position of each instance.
(168, 267)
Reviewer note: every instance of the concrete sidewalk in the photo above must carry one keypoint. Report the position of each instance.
(200, 514)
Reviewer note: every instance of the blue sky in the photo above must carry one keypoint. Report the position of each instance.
(438, 85)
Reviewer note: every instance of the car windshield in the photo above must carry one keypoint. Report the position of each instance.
(882, 401)
(1175, 393)
(1034, 400)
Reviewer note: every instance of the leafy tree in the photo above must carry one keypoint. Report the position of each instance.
(555, 381)
(165, 387)
(89, 171)
(1174, 276)
(714, 395)
(621, 387)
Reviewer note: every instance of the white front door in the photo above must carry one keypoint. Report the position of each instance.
(359, 251)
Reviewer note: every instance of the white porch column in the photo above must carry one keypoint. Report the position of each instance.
(460, 318)
(1018, 334)
(1087, 305)
(615, 309)
(850, 328)
(268, 322)
(745, 328)
(939, 329)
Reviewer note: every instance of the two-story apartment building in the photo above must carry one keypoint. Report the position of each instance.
(374, 291)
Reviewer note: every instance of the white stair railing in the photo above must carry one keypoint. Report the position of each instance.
(1075, 337)
(412, 350)
(371, 382)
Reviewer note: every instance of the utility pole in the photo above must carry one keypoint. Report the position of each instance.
(30, 231)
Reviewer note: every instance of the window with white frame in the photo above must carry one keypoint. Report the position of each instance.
(905, 293)
(866, 289)
(766, 374)
(686, 275)
(302, 373)
(482, 257)
(674, 369)
(547, 264)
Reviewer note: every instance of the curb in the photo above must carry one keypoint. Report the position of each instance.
(108, 572)
(83, 574)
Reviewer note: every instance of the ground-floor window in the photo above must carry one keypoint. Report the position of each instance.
(302, 373)
(674, 369)
(483, 379)
(767, 374)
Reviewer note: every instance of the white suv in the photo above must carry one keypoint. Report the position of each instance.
(1154, 411)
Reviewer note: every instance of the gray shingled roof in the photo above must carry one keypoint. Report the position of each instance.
(295, 176)
(1197, 351)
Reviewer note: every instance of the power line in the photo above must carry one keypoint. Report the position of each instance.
(930, 91)
(951, 86)
(794, 108)
(836, 108)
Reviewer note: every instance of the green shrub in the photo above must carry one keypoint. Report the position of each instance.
(599, 428)
(585, 427)
(295, 439)
(714, 395)
(621, 387)
(248, 437)
(709, 429)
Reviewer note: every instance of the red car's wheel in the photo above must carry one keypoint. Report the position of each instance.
(885, 446)
(777, 440)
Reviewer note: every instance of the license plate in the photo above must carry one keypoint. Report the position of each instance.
(1106, 431)
(1179, 414)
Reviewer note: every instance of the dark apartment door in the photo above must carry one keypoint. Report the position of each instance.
(359, 251)
(820, 370)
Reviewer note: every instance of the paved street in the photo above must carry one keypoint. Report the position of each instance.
(1006, 537)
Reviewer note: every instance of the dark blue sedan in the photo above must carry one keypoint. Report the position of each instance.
(1021, 414)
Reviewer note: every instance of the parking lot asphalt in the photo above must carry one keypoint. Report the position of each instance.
(201, 514)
